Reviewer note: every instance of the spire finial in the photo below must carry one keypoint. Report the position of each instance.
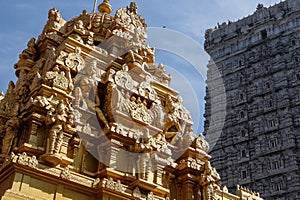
(95, 5)
(105, 7)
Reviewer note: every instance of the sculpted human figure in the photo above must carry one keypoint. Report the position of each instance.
(90, 72)
(86, 84)
(44, 102)
(21, 87)
(69, 77)
(57, 121)
(96, 23)
(79, 29)
(201, 143)
(84, 96)
(85, 18)
(127, 102)
(207, 181)
(100, 25)
(54, 22)
(80, 33)
(70, 121)
(144, 165)
(182, 113)
(11, 128)
(133, 7)
(120, 99)
(158, 113)
(60, 77)
(172, 116)
(172, 127)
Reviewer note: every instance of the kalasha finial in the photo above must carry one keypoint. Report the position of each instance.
(105, 7)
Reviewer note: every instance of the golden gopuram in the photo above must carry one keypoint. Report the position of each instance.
(91, 116)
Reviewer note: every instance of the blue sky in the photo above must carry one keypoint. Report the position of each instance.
(182, 54)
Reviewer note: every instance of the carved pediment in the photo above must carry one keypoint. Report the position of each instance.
(123, 78)
(146, 90)
(128, 20)
(139, 112)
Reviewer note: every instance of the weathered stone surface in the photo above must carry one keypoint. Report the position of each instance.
(257, 58)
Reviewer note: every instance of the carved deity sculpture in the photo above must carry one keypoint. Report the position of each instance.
(201, 143)
(121, 100)
(54, 22)
(146, 90)
(161, 75)
(85, 18)
(177, 118)
(21, 88)
(101, 22)
(57, 121)
(136, 193)
(80, 33)
(86, 92)
(86, 84)
(60, 77)
(262, 13)
(133, 7)
(44, 102)
(185, 114)
(188, 137)
(182, 113)
(11, 127)
(150, 196)
(158, 114)
(139, 111)
(136, 19)
(207, 181)
(145, 165)
(82, 95)
(129, 21)
(172, 124)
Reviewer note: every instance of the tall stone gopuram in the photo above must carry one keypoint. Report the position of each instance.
(92, 116)
(257, 58)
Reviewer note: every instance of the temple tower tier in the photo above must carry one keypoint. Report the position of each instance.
(92, 116)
